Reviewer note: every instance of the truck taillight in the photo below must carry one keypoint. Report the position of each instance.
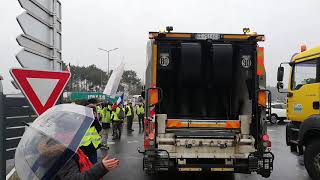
(266, 141)
(153, 99)
(260, 61)
(262, 98)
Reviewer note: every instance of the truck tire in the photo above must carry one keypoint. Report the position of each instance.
(312, 159)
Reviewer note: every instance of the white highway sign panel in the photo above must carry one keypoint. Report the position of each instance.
(31, 59)
(37, 29)
(43, 9)
(41, 24)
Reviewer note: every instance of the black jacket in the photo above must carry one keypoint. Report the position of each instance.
(71, 171)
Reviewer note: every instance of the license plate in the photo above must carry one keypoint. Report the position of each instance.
(204, 36)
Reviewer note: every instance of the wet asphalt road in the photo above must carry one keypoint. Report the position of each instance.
(287, 165)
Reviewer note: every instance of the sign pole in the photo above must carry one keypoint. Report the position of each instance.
(2, 138)
(54, 35)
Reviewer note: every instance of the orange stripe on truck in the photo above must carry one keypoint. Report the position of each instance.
(233, 124)
(173, 123)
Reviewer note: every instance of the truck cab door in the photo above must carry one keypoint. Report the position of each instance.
(304, 87)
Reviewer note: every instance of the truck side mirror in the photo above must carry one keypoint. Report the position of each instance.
(280, 74)
(280, 85)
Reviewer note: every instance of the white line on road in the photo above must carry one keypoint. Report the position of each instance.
(130, 142)
(10, 174)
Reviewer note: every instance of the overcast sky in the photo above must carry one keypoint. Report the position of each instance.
(90, 24)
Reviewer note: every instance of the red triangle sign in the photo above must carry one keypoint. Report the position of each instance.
(42, 88)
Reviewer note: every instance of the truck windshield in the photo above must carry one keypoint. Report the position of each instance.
(304, 73)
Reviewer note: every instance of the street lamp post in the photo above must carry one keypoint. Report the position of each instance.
(108, 51)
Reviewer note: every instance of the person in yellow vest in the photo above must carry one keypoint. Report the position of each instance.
(106, 123)
(130, 116)
(91, 142)
(99, 111)
(140, 113)
(116, 122)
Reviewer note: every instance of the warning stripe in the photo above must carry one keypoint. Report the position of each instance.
(233, 124)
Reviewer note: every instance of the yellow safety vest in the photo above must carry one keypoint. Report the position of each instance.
(93, 136)
(115, 114)
(140, 110)
(99, 109)
(106, 115)
(86, 140)
(129, 113)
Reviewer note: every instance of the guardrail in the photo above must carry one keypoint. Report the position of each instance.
(15, 110)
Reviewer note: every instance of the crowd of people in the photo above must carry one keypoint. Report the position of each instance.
(85, 164)
(114, 115)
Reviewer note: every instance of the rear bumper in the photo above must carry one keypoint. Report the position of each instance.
(159, 160)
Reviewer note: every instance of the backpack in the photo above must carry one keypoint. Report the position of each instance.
(121, 114)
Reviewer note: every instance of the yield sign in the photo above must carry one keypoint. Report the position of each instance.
(42, 88)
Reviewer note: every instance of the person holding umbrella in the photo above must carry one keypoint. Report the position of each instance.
(49, 148)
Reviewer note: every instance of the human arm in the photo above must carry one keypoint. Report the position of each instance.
(71, 170)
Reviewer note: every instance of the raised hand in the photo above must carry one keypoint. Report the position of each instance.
(110, 164)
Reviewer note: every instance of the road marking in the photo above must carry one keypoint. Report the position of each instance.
(10, 174)
(131, 157)
(130, 142)
(110, 142)
(271, 130)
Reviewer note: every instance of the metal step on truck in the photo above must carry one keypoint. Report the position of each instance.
(206, 104)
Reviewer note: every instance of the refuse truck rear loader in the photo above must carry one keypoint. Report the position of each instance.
(206, 104)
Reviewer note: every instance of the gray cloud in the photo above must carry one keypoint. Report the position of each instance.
(88, 25)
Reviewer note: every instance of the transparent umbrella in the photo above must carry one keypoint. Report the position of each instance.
(51, 140)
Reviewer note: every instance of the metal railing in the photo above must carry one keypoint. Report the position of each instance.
(15, 110)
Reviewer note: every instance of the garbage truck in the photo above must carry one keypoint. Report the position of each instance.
(206, 103)
(303, 107)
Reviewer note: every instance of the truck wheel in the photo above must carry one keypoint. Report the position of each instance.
(273, 118)
(312, 159)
